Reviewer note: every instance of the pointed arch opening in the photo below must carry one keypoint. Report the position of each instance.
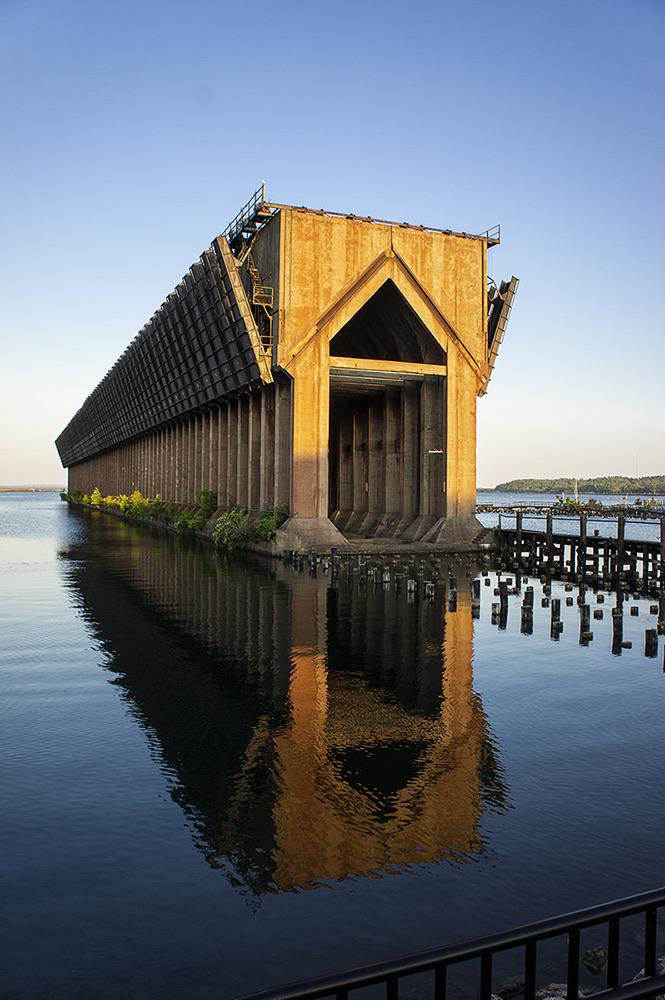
(387, 328)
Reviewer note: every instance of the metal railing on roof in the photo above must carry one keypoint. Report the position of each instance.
(528, 937)
(247, 214)
(492, 235)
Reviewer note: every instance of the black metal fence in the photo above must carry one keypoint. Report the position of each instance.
(482, 952)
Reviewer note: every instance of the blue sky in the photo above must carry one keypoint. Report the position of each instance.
(132, 132)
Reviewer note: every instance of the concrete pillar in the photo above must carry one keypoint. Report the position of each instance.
(196, 456)
(174, 473)
(283, 449)
(232, 454)
(150, 474)
(267, 456)
(189, 462)
(409, 485)
(311, 406)
(156, 439)
(222, 457)
(375, 457)
(205, 451)
(392, 452)
(179, 460)
(432, 449)
(345, 460)
(132, 467)
(254, 450)
(242, 444)
(360, 464)
(461, 439)
(213, 449)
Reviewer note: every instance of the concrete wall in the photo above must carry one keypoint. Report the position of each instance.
(331, 268)
(239, 449)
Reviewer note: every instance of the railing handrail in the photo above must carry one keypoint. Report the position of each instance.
(246, 213)
(467, 950)
(571, 517)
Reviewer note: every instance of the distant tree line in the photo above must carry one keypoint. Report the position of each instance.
(620, 485)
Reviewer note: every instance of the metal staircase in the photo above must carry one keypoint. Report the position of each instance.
(247, 223)
(262, 299)
(240, 234)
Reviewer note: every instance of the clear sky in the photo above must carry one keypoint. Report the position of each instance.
(133, 131)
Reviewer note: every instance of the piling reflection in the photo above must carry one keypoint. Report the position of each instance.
(309, 732)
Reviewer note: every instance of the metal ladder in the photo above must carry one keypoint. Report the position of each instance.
(262, 300)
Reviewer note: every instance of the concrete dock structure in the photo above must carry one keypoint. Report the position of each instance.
(326, 363)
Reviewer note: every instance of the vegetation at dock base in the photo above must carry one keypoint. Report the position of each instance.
(603, 485)
(153, 509)
(234, 529)
(238, 527)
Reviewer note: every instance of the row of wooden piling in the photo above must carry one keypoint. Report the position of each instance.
(421, 579)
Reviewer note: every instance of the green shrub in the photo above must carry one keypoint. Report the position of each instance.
(269, 522)
(187, 524)
(207, 501)
(232, 529)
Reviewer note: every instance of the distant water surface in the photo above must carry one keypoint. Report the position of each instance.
(218, 777)
(635, 529)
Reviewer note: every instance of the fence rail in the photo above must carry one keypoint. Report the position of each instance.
(482, 951)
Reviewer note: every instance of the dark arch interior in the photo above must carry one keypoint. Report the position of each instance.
(387, 328)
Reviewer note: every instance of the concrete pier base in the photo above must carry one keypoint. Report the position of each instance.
(302, 533)
(450, 532)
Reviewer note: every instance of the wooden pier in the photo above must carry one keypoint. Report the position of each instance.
(578, 554)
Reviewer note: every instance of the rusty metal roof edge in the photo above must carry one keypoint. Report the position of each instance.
(492, 235)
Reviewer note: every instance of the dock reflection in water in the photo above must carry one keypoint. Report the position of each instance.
(319, 733)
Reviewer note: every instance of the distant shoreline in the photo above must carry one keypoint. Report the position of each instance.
(31, 489)
(585, 492)
(611, 486)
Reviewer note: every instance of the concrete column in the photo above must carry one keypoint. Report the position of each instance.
(432, 450)
(254, 450)
(213, 451)
(160, 461)
(460, 408)
(376, 457)
(196, 456)
(409, 469)
(242, 441)
(179, 460)
(232, 454)
(154, 437)
(222, 457)
(311, 413)
(392, 452)
(190, 439)
(174, 472)
(360, 464)
(150, 463)
(267, 458)
(283, 447)
(345, 461)
(205, 451)
(157, 454)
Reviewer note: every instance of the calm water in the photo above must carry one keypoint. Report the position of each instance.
(219, 777)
